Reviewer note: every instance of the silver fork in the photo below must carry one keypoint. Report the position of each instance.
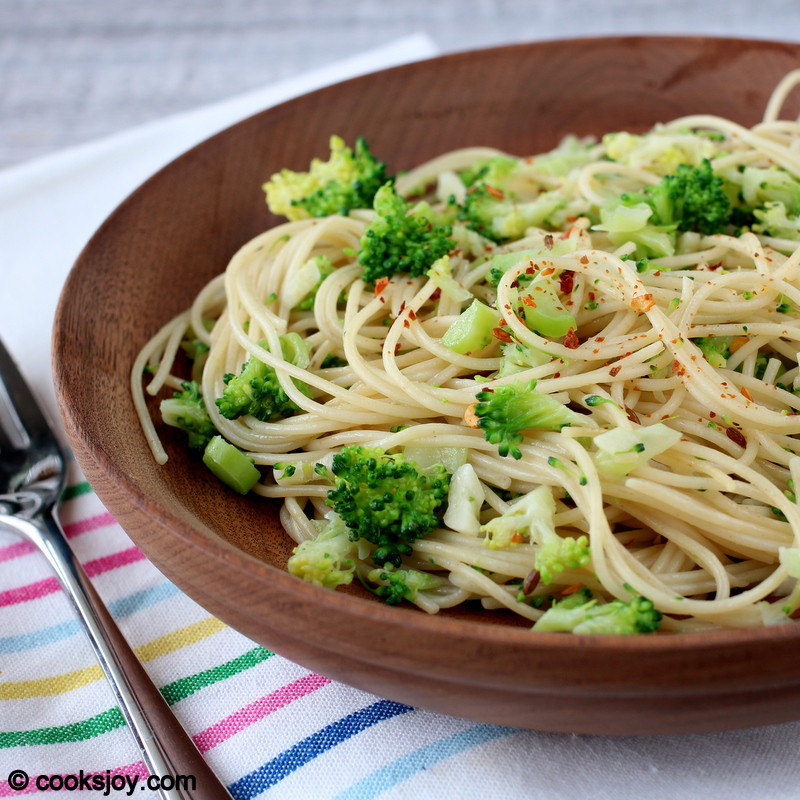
(32, 476)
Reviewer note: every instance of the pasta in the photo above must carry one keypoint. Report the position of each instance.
(701, 339)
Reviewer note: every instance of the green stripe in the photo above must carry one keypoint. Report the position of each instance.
(111, 719)
(71, 492)
(74, 732)
(178, 690)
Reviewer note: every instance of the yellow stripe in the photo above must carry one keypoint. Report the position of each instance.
(180, 638)
(44, 687)
(60, 684)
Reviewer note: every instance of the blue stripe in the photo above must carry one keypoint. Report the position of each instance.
(44, 636)
(144, 598)
(416, 761)
(286, 763)
(64, 630)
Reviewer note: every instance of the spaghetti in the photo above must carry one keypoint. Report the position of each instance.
(701, 339)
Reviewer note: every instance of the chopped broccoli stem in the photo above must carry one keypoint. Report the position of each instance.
(472, 329)
(186, 410)
(401, 238)
(386, 499)
(231, 465)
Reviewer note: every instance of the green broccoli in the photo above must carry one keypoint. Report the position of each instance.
(507, 410)
(348, 180)
(691, 199)
(581, 613)
(775, 220)
(715, 349)
(531, 517)
(187, 411)
(498, 216)
(402, 584)
(328, 559)
(257, 390)
(401, 238)
(386, 499)
(763, 186)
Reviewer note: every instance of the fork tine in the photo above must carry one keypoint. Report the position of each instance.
(25, 423)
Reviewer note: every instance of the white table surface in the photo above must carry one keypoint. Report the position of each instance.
(75, 70)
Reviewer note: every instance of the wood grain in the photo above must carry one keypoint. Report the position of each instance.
(229, 553)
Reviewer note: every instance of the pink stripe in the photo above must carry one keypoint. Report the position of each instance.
(246, 716)
(138, 769)
(73, 529)
(33, 591)
(16, 550)
(106, 563)
(89, 524)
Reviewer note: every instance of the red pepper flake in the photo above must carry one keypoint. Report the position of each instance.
(412, 314)
(503, 336)
(530, 270)
(397, 348)
(528, 300)
(556, 374)
(517, 538)
(571, 339)
(643, 302)
(406, 323)
(495, 192)
(678, 368)
(747, 394)
(548, 271)
(380, 285)
(576, 587)
(736, 436)
(436, 294)
(584, 259)
(566, 281)
(614, 371)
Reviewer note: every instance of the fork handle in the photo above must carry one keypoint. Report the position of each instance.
(165, 746)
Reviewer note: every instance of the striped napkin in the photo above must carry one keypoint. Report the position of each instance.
(269, 728)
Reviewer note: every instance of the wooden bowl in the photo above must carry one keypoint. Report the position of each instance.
(228, 553)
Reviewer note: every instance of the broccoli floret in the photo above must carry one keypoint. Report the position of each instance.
(402, 584)
(498, 216)
(348, 180)
(691, 199)
(187, 411)
(328, 559)
(401, 238)
(505, 411)
(386, 499)
(257, 390)
(531, 517)
(581, 613)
